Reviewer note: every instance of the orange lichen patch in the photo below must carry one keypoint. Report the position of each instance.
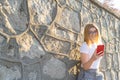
(74, 54)
(25, 42)
(75, 69)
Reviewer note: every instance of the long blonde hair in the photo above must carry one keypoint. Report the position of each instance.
(86, 34)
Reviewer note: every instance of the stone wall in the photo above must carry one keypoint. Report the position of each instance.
(40, 39)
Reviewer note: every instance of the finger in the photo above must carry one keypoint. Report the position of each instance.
(100, 52)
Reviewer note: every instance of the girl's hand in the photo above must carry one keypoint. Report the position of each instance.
(96, 55)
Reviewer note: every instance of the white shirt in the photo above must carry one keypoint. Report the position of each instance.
(85, 49)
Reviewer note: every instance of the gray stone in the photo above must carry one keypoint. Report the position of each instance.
(55, 69)
(42, 14)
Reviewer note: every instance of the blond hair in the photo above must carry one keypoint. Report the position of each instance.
(86, 34)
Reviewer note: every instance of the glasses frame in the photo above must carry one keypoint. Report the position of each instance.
(92, 32)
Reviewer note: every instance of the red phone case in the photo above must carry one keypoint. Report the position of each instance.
(100, 48)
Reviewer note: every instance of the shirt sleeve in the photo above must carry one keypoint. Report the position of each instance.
(84, 49)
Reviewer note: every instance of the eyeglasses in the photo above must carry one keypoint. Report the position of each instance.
(92, 32)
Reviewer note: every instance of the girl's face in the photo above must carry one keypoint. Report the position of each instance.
(92, 34)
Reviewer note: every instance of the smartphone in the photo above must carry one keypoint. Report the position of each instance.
(100, 48)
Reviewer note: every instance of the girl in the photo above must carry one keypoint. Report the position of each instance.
(90, 59)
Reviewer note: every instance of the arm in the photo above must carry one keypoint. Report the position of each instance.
(86, 62)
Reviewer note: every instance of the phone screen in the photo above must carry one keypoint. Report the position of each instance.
(100, 48)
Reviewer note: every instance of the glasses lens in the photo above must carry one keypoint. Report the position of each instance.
(92, 32)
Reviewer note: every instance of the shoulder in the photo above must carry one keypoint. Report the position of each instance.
(84, 48)
(84, 45)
